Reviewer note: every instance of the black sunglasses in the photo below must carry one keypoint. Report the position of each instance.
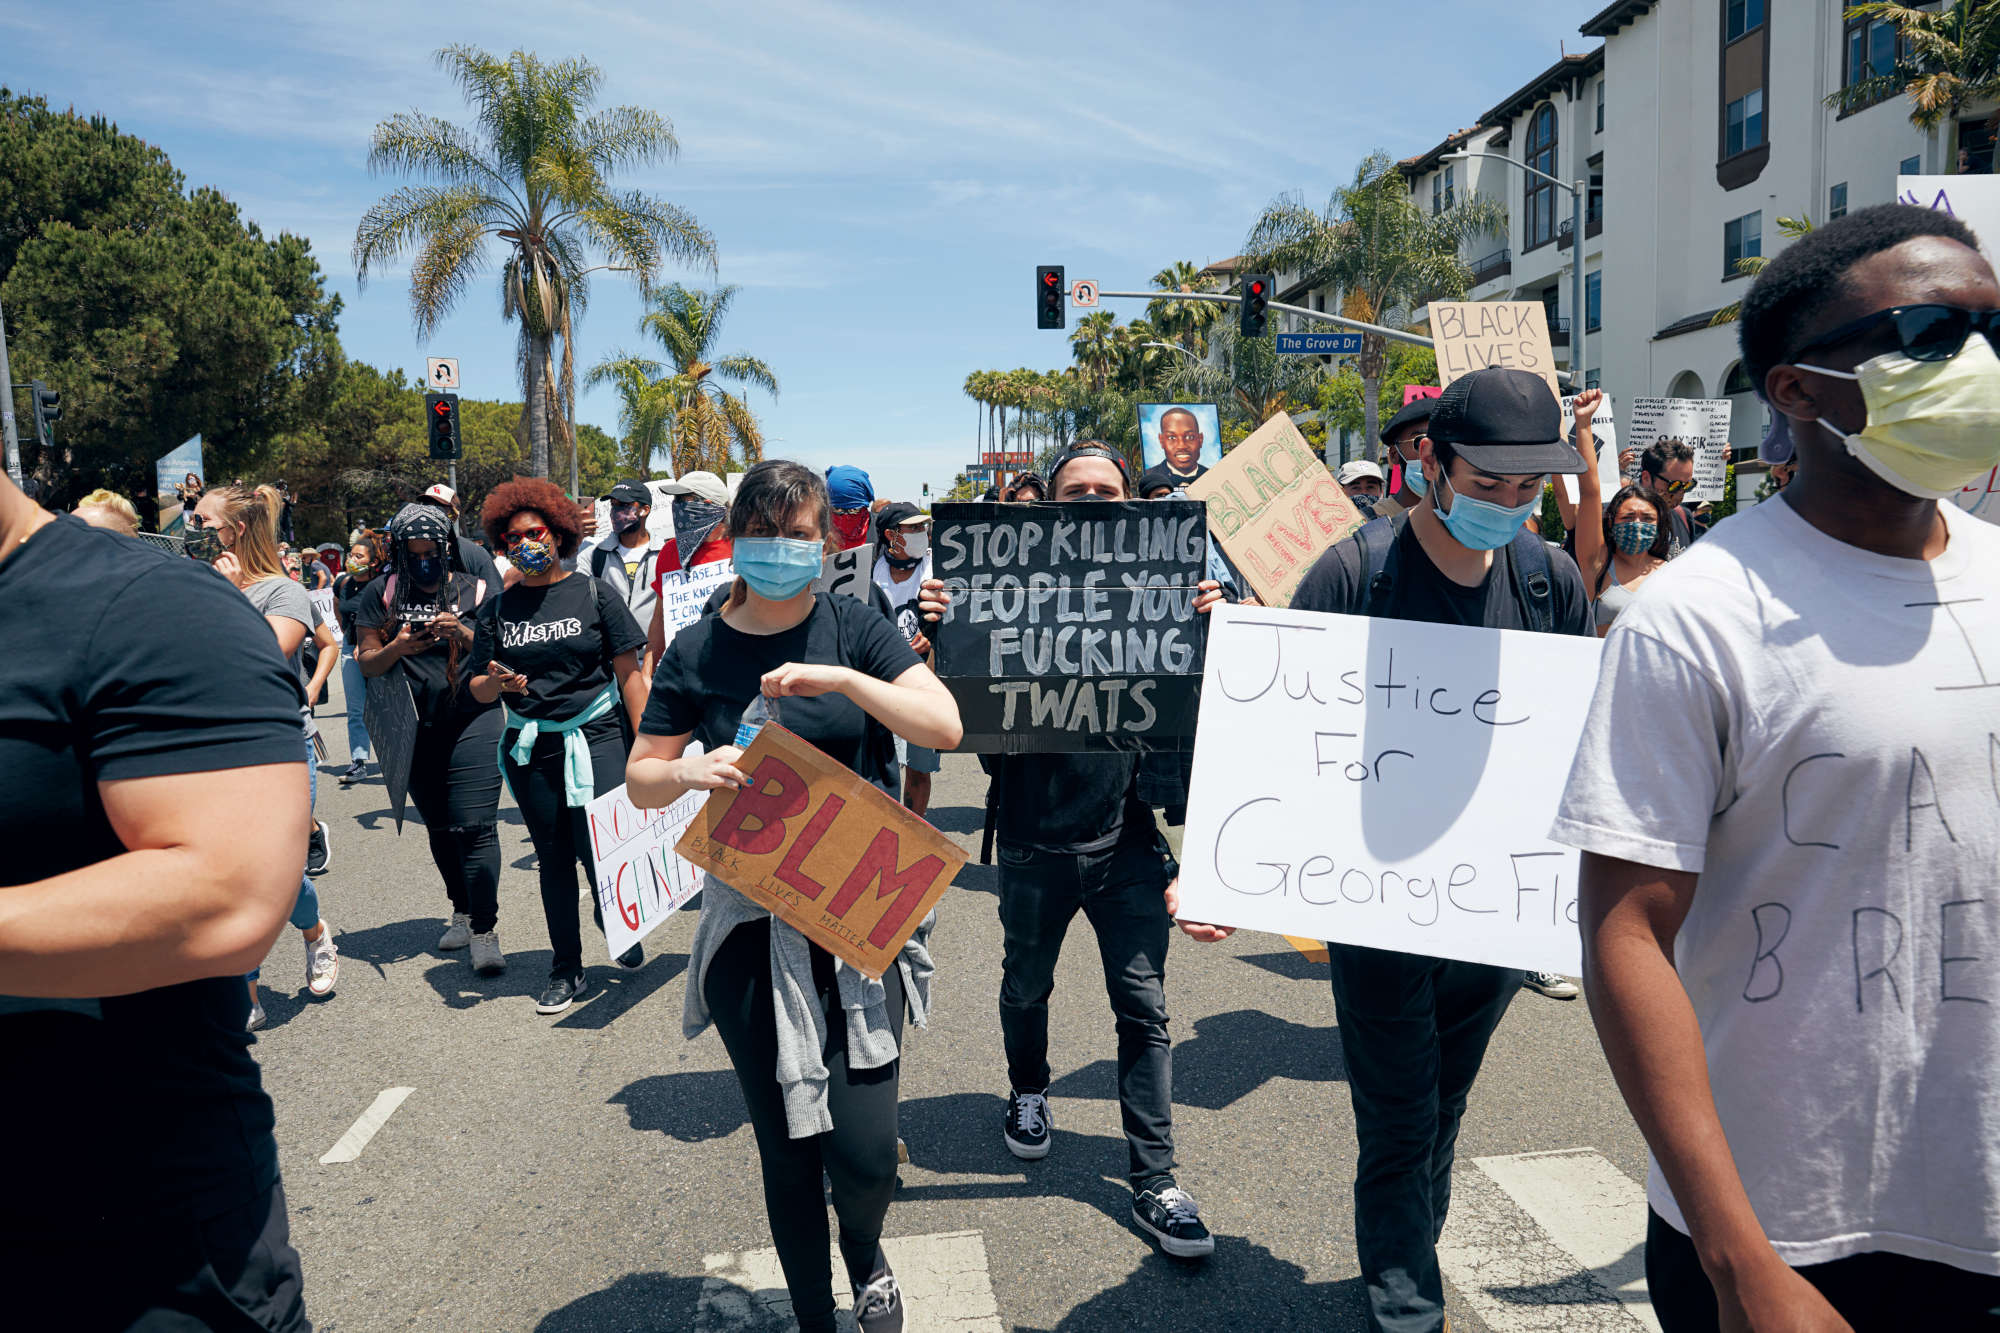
(1923, 332)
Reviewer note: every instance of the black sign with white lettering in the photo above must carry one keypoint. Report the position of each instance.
(1072, 626)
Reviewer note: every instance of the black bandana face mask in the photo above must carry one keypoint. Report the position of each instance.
(694, 520)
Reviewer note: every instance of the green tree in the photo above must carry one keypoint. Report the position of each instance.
(1947, 60)
(1373, 243)
(1182, 321)
(1248, 378)
(535, 175)
(1093, 342)
(1340, 395)
(681, 400)
(57, 166)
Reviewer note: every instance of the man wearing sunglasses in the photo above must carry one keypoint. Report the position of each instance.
(1785, 795)
(1667, 470)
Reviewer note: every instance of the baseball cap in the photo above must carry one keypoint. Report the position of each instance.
(898, 512)
(1157, 478)
(848, 487)
(1417, 410)
(701, 485)
(1504, 421)
(443, 494)
(631, 493)
(1354, 470)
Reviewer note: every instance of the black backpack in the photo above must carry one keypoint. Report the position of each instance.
(1527, 570)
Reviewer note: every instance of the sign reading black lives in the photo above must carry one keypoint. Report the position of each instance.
(1072, 626)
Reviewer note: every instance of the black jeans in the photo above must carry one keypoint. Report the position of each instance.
(858, 1155)
(1121, 892)
(1876, 1293)
(561, 831)
(1413, 1031)
(455, 786)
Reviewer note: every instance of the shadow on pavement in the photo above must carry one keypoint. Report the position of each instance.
(694, 1107)
(1242, 1285)
(1289, 963)
(959, 819)
(618, 990)
(976, 878)
(394, 942)
(1229, 1057)
(635, 1303)
(959, 1135)
(285, 1001)
(461, 988)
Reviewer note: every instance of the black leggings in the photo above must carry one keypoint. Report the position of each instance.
(561, 831)
(858, 1154)
(455, 786)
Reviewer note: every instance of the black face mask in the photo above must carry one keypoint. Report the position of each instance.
(426, 571)
(693, 521)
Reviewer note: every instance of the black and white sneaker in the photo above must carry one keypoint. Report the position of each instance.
(561, 992)
(1171, 1218)
(1028, 1125)
(633, 958)
(354, 773)
(1551, 985)
(319, 852)
(878, 1307)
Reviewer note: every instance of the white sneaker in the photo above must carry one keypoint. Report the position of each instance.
(1551, 985)
(256, 1019)
(322, 963)
(458, 934)
(487, 960)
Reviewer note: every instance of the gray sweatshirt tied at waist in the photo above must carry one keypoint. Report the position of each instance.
(871, 1040)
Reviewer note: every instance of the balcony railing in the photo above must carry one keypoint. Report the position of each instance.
(1487, 267)
(1558, 332)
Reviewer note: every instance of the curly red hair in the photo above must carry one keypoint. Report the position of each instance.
(543, 497)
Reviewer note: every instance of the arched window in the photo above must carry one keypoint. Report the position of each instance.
(1541, 201)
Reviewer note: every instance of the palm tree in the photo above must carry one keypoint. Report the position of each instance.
(534, 174)
(1139, 353)
(1946, 60)
(707, 426)
(1184, 322)
(1251, 376)
(1751, 265)
(1376, 246)
(646, 405)
(1094, 347)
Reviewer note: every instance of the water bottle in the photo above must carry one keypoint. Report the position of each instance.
(762, 709)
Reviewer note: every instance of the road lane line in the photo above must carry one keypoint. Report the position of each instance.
(1314, 950)
(356, 1138)
(943, 1279)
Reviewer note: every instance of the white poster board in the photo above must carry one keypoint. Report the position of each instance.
(1701, 423)
(1605, 430)
(1975, 201)
(683, 592)
(323, 602)
(641, 880)
(1387, 783)
(851, 571)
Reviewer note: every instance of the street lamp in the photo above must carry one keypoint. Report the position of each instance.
(1176, 347)
(1577, 195)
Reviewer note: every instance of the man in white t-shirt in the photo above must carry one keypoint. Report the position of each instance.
(1786, 796)
(904, 535)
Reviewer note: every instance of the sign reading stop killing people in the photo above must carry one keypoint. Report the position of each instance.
(1071, 625)
(1274, 507)
(823, 851)
(1388, 783)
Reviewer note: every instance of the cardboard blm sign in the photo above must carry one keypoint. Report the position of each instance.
(1274, 507)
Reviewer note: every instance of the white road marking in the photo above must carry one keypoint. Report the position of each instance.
(1549, 1242)
(356, 1138)
(943, 1278)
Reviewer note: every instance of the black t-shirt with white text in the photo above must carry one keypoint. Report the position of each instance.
(1338, 582)
(429, 671)
(565, 637)
(126, 663)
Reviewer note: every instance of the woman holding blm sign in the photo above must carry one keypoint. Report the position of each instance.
(815, 1042)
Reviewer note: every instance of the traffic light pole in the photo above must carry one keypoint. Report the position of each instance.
(1339, 321)
(7, 409)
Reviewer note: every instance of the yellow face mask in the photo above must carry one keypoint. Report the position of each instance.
(1933, 426)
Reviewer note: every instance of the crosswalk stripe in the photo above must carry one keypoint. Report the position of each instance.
(1549, 1241)
(356, 1138)
(943, 1279)
(1314, 950)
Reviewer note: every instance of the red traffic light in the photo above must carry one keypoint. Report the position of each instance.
(1256, 289)
(1050, 279)
(441, 408)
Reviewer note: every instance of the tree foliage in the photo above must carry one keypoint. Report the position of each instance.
(1947, 60)
(680, 402)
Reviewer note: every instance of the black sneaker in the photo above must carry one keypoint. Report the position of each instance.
(561, 992)
(633, 958)
(878, 1307)
(1028, 1125)
(355, 772)
(319, 853)
(1551, 985)
(1170, 1216)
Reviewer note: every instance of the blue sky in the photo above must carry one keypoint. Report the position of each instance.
(880, 179)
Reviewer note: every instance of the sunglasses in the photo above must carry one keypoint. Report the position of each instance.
(1923, 332)
(1674, 487)
(534, 534)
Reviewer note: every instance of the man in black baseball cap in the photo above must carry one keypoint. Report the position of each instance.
(1414, 1029)
(624, 559)
(1400, 437)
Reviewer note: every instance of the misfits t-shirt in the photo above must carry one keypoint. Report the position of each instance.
(1812, 729)
(564, 637)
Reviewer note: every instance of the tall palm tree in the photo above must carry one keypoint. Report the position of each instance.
(1250, 376)
(1376, 246)
(533, 173)
(1093, 344)
(706, 426)
(1139, 353)
(1184, 322)
(1946, 60)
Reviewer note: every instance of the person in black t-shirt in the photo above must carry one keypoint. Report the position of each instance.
(568, 661)
(425, 625)
(1414, 1029)
(468, 557)
(1074, 835)
(154, 814)
(364, 563)
(820, 1078)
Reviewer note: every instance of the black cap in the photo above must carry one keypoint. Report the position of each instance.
(895, 514)
(1504, 421)
(631, 493)
(1417, 409)
(1153, 478)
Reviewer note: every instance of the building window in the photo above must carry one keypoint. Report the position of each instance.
(1742, 238)
(1743, 124)
(1910, 166)
(1872, 47)
(1450, 186)
(1540, 222)
(1437, 193)
(1592, 378)
(1741, 16)
(1836, 202)
(1593, 304)
(1600, 106)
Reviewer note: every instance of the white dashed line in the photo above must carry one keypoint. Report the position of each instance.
(943, 1278)
(356, 1138)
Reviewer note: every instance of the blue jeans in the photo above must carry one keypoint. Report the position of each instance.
(354, 689)
(305, 909)
(1413, 1031)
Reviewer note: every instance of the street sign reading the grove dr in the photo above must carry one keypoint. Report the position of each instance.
(1344, 343)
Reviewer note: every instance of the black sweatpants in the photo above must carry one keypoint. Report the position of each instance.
(455, 786)
(561, 831)
(858, 1155)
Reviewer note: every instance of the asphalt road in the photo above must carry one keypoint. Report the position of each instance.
(584, 1172)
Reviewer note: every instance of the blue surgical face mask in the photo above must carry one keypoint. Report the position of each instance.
(778, 568)
(1481, 525)
(1413, 477)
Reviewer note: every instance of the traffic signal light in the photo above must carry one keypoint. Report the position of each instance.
(441, 414)
(1256, 301)
(48, 411)
(1050, 312)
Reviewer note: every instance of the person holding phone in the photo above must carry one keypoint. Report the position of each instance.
(574, 694)
(435, 628)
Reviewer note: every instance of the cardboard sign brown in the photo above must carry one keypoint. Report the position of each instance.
(1473, 335)
(823, 851)
(1274, 507)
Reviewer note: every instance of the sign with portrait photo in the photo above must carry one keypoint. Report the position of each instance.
(1185, 437)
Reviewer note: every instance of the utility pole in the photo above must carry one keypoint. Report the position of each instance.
(7, 408)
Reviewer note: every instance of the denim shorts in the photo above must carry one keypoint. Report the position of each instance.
(916, 758)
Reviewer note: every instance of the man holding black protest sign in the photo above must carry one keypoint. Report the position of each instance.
(1073, 833)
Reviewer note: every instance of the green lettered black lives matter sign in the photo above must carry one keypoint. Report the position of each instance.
(1072, 626)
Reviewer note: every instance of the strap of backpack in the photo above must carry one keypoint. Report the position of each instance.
(1379, 540)
(600, 556)
(1528, 563)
